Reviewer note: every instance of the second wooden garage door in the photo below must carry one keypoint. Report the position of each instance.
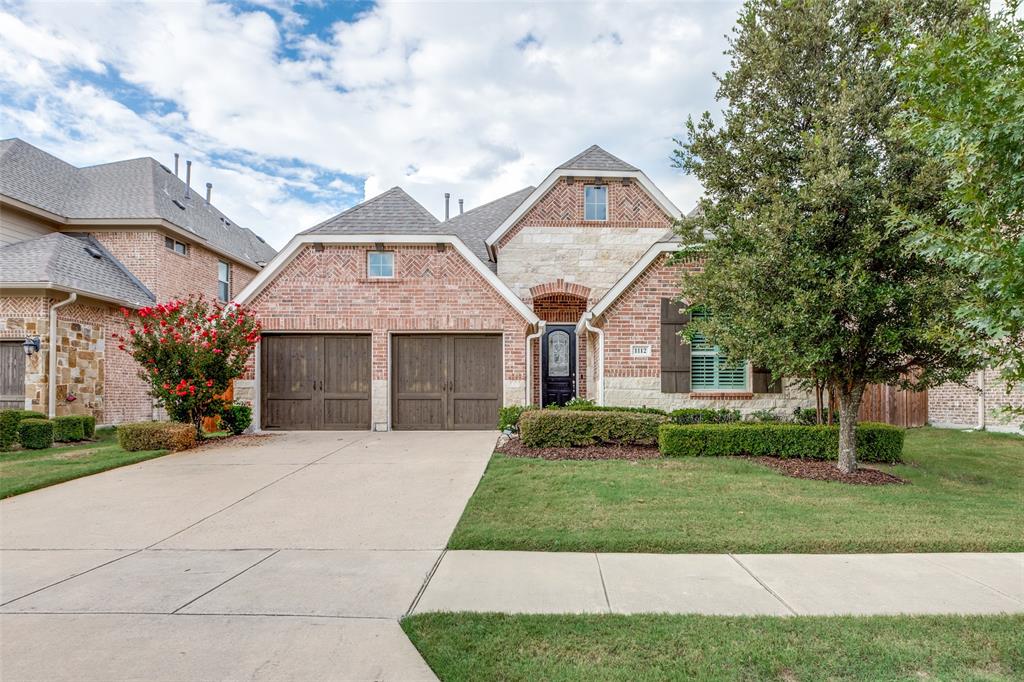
(316, 382)
(446, 381)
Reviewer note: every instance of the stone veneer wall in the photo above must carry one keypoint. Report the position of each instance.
(433, 290)
(956, 406)
(552, 239)
(635, 318)
(103, 380)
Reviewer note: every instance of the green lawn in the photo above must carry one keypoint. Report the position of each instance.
(966, 494)
(27, 470)
(461, 646)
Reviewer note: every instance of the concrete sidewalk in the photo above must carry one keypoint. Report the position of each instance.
(726, 584)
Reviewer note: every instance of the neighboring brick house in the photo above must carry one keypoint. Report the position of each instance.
(383, 317)
(76, 245)
(977, 404)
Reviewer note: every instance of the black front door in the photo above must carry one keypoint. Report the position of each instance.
(558, 365)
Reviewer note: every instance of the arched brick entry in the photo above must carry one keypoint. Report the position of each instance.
(560, 302)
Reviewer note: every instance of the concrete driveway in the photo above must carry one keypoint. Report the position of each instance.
(287, 557)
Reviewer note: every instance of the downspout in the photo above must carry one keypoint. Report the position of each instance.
(529, 360)
(587, 317)
(981, 401)
(51, 374)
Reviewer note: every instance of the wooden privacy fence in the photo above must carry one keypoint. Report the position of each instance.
(890, 405)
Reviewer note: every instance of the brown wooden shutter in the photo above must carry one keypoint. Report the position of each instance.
(675, 355)
(762, 381)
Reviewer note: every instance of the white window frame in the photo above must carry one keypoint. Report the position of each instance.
(718, 362)
(370, 265)
(587, 204)
(225, 283)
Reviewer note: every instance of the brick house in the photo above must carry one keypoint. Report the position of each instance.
(384, 317)
(76, 245)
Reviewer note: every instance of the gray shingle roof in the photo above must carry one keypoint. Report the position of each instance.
(137, 188)
(393, 212)
(595, 158)
(474, 226)
(63, 259)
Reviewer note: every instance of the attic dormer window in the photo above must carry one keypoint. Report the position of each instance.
(595, 202)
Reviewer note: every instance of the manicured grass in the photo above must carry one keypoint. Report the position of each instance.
(27, 470)
(966, 494)
(461, 646)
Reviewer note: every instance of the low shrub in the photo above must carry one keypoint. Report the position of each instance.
(765, 417)
(35, 434)
(875, 442)
(508, 416)
(583, 405)
(236, 418)
(809, 416)
(9, 420)
(704, 415)
(68, 429)
(89, 426)
(156, 436)
(578, 428)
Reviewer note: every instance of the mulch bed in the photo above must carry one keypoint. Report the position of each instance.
(824, 470)
(242, 440)
(515, 448)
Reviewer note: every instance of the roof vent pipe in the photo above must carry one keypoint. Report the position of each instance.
(447, 200)
(460, 206)
(209, 190)
(176, 164)
(188, 179)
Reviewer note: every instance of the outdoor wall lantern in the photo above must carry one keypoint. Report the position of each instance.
(31, 345)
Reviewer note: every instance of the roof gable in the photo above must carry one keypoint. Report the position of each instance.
(595, 158)
(393, 212)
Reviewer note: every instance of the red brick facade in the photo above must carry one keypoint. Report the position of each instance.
(635, 317)
(629, 205)
(957, 405)
(433, 290)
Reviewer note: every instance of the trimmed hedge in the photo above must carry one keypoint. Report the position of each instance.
(704, 415)
(875, 442)
(578, 428)
(35, 434)
(236, 417)
(68, 428)
(585, 405)
(156, 436)
(89, 426)
(9, 420)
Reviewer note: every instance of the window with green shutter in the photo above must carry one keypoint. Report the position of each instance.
(709, 369)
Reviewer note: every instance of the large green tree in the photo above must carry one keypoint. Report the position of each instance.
(962, 92)
(805, 271)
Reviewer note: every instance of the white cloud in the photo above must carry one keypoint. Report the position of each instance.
(432, 96)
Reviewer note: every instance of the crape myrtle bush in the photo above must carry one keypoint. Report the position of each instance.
(156, 436)
(9, 420)
(35, 434)
(190, 351)
(68, 428)
(875, 442)
(577, 428)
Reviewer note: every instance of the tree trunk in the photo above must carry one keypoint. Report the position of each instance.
(818, 400)
(849, 406)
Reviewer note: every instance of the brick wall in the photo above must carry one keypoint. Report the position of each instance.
(168, 274)
(432, 290)
(635, 318)
(953, 405)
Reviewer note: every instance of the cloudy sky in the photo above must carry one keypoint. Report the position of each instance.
(297, 111)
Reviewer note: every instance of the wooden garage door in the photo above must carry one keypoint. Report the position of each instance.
(445, 381)
(315, 382)
(12, 375)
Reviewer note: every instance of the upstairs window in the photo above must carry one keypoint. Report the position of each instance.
(710, 370)
(223, 280)
(595, 202)
(177, 247)
(380, 264)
